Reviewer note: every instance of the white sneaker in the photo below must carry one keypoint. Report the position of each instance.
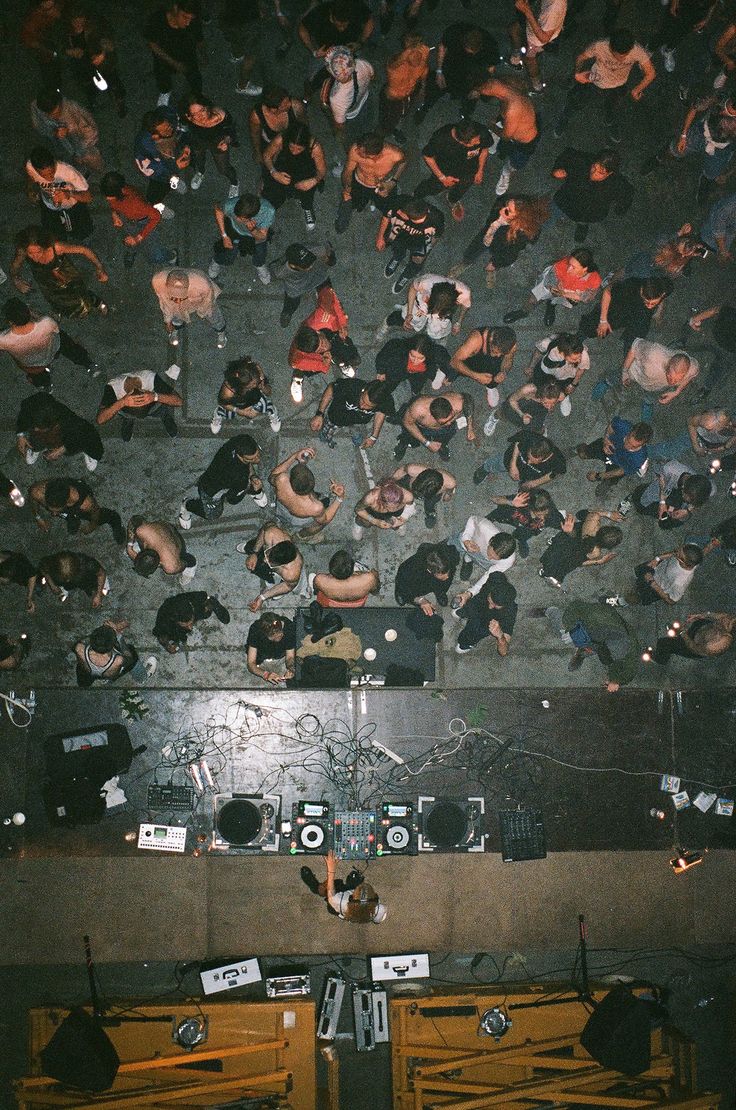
(357, 532)
(502, 185)
(181, 186)
(151, 665)
(187, 575)
(493, 396)
(174, 371)
(297, 393)
(197, 180)
(275, 422)
(166, 212)
(439, 380)
(185, 519)
(669, 59)
(494, 144)
(310, 581)
(242, 547)
(32, 457)
(462, 651)
(720, 80)
(264, 275)
(221, 340)
(90, 463)
(309, 219)
(490, 425)
(216, 424)
(233, 192)
(261, 499)
(163, 100)
(213, 270)
(174, 338)
(251, 89)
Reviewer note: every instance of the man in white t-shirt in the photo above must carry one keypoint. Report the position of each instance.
(540, 27)
(603, 69)
(483, 544)
(64, 193)
(659, 369)
(666, 577)
(352, 900)
(33, 344)
(348, 93)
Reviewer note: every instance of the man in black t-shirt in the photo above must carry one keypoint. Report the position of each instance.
(230, 475)
(45, 426)
(271, 637)
(593, 186)
(68, 570)
(456, 154)
(177, 616)
(530, 460)
(430, 569)
(352, 403)
(466, 56)
(173, 34)
(409, 224)
(627, 306)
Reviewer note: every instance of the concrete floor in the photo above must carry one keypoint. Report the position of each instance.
(139, 909)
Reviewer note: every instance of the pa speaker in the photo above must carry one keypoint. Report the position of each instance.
(80, 1054)
(617, 1034)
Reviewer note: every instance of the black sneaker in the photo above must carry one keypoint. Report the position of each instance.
(391, 267)
(220, 611)
(550, 312)
(444, 452)
(517, 314)
(309, 879)
(169, 425)
(126, 432)
(479, 475)
(430, 519)
(581, 233)
(118, 532)
(285, 319)
(399, 451)
(400, 284)
(466, 569)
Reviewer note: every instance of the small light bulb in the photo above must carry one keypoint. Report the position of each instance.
(676, 625)
(18, 819)
(24, 635)
(646, 656)
(130, 837)
(715, 466)
(671, 631)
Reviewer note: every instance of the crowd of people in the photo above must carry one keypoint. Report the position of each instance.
(376, 72)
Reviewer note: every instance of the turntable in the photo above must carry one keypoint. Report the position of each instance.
(397, 832)
(246, 822)
(311, 828)
(451, 824)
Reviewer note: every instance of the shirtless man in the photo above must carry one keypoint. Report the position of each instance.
(432, 422)
(520, 128)
(372, 168)
(387, 505)
(273, 556)
(297, 503)
(155, 543)
(428, 484)
(346, 584)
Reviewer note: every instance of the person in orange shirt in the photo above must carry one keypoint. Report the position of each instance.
(406, 78)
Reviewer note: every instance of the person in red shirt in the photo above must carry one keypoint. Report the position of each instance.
(309, 354)
(330, 319)
(569, 281)
(139, 221)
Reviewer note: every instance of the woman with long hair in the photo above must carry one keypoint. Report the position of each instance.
(57, 277)
(513, 223)
(294, 166)
(210, 129)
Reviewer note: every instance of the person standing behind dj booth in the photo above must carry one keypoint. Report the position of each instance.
(352, 899)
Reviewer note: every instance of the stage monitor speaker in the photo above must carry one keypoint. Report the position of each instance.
(618, 1033)
(80, 1054)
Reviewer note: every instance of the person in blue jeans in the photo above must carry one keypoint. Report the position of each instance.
(139, 221)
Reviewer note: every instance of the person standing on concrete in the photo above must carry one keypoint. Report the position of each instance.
(106, 655)
(138, 219)
(65, 195)
(353, 900)
(245, 224)
(72, 500)
(69, 570)
(177, 616)
(183, 294)
(273, 557)
(34, 343)
(135, 397)
(297, 504)
(173, 34)
(45, 426)
(70, 128)
(229, 477)
(346, 584)
(301, 270)
(156, 543)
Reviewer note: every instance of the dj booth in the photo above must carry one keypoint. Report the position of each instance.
(387, 643)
